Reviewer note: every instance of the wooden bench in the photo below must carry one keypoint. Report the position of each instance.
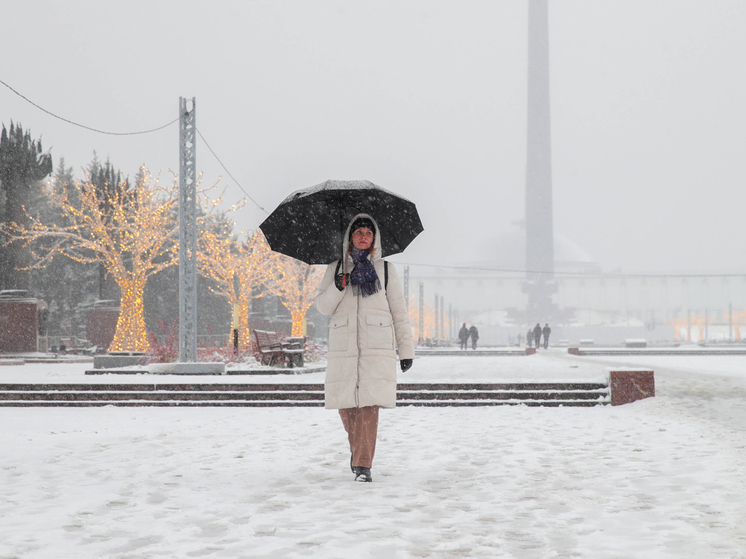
(71, 346)
(271, 350)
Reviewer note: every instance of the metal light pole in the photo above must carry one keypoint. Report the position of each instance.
(442, 329)
(450, 322)
(187, 231)
(422, 314)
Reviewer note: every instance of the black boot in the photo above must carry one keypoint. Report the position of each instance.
(362, 474)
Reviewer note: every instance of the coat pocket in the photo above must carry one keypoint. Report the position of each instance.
(338, 333)
(380, 331)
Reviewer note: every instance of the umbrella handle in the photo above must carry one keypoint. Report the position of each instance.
(340, 279)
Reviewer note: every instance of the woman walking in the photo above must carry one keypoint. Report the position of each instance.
(369, 322)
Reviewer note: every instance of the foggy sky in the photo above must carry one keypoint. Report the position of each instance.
(426, 98)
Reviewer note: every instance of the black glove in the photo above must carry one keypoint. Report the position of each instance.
(406, 364)
(341, 281)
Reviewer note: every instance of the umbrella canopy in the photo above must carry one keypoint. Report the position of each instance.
(310, 223)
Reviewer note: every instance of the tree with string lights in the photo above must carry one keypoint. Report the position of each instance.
(428, 319)
(295, 283)
(105, 179)
(133, 232)
(237, 268)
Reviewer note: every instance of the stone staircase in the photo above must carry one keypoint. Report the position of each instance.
(298, 395)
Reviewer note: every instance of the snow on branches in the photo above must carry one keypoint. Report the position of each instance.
(237, 267)
(295, 283)
(132, 229)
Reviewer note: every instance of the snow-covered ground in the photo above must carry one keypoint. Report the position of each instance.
(660, 478)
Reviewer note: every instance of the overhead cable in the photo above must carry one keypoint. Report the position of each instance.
(134, 134)
(229, 173)
(83, 125)
(611, 275)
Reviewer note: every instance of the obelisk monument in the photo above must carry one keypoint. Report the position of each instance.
(539, 228)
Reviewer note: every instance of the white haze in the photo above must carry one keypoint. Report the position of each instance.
(427, 98)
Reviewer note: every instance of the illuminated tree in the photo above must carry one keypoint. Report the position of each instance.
(295, 283)
(237, 269)
(134, 234)
(67, 286)
(428, 319)
(106, 180)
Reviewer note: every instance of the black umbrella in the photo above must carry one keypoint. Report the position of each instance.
(310, 223)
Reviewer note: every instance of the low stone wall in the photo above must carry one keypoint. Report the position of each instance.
(630, 386)
(113, 361)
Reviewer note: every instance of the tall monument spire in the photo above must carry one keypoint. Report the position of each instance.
(539, 228)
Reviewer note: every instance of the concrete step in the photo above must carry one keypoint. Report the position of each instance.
(283, 395)
(583, 351)
(451, 352)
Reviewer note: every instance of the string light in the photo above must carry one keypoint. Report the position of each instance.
(701, 322)
(237, 268)
(131, 229)
(428, 323)
(295, 283)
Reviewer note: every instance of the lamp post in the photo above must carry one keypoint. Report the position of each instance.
(187, 231)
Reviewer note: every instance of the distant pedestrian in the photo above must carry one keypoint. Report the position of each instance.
(545, 332)
(530, 338)
(474, 333)
(463, 336)
(537, 335)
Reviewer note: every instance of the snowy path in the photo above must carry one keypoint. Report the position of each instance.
(660, 478)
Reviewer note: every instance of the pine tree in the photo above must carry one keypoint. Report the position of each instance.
(22, 165)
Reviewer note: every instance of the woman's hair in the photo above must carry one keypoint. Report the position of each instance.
(357, 224)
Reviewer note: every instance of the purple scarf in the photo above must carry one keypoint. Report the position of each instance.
(363, 277)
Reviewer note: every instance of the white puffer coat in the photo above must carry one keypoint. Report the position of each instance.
(364, 334)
